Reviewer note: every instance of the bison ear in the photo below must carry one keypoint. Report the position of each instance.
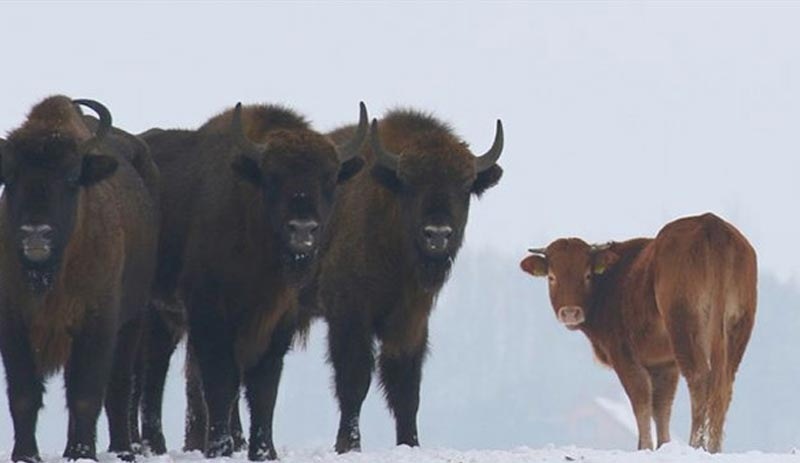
(247, 169)
(95, 168)
(487, 179)
(349, 168)
(603, 260)
(387, 177)
(534, 264)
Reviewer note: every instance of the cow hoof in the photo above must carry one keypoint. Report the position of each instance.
(262, 452)
(344, 445)
(80, 452)
(126, 455)
(222, 447)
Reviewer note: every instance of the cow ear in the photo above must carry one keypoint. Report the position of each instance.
(604, 260)
(349, 168)
(387, 177)
(487, 179)
(247, 169)
(95, 168)
(534, 264)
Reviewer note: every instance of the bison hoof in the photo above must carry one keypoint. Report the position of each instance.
(126, 455)
(222, 447)
(155, 444)
(35, 458)
(80, 452)
(345, 444)
(262, 452)
(239, 442)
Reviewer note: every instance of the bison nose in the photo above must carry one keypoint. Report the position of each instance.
(571, 316)
(36, 242)
(437, 237)
(303, 235)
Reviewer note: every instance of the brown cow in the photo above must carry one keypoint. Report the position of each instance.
(78, 231)
(682, 302)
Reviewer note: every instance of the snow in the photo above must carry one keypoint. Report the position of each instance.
(672, 453)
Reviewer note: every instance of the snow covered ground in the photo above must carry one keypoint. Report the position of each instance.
(676, 453)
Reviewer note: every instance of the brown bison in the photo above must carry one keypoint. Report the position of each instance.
(395, 231)
(682, 302)
(245, 201)
(78, 235)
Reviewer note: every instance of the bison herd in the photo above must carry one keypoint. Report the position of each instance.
(239, 233)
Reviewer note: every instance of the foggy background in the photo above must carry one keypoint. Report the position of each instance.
(619, 117)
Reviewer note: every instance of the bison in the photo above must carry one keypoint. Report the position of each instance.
(683, 302)
(78, 236)
(394, 233)
(245, 200)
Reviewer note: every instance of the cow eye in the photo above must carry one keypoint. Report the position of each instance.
(551, 278)
(588, 276)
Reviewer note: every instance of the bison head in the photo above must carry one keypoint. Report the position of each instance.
(571, 267)
(297, 171)
(44, 170)
(432, 179)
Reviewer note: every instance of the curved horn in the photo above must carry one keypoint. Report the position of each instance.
(490, 158)
(237, 129)
(103, 127)
(385, 158)
(349, 150)
(539, 251)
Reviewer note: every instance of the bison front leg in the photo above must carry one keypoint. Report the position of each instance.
(350, 346)
(636, 381)
(212, 342)
(401, 375)
(120, 390)
(25, 389)
(161, 342)
(262, 390)
(86, 377)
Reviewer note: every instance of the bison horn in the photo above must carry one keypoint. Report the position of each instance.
(103, 127)
(540, 251)
(385, 158)
(349, 150)
(237, 129)
(490, 158)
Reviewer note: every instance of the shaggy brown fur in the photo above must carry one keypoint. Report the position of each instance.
(225, 250)
(71, 311)
(682, 302)
(374, 279)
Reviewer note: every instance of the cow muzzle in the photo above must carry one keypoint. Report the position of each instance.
(571, 316)
(37, 244)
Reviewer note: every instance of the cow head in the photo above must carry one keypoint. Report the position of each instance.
(44, 168)
(433, 179)
(571, 267)
(297, 172)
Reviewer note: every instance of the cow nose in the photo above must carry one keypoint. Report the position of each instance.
(437, 237)
(303, 235)
(571, 316)
(36, 242)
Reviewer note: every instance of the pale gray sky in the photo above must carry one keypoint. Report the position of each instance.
(619, 116)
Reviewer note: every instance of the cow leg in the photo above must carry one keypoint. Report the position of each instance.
(665, 381)
(25, 389)
(262, 390)
(636, 381)
(401, 375)
(120, 388)
(136, 395)
(212, 345)
(351, 352)
(86, 376)
(161, 343)
(196, 414)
